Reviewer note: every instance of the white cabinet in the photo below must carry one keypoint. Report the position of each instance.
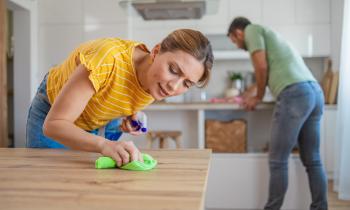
(309, 40)
(216, 20)
(240, 181)
(278, 12)
(251, 9)
(328, 135)
(312, 11)
(303, 23)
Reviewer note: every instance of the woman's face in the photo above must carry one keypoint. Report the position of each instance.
(173, 73)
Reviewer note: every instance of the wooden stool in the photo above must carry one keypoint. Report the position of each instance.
(162, 136)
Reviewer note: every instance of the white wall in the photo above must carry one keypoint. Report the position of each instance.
(64, 24)
(336, 30)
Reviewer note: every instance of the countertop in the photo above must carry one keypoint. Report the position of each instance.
(214, 106)
(66, 179)
(203, 106)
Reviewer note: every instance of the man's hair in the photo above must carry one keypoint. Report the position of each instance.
(238, 23)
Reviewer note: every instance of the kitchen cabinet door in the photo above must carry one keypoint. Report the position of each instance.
(308, 39)
(251, 9)
(240, 181)
(313, 11)
(328, 135)
(278, 12)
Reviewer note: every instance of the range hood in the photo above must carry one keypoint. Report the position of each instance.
(170, 9)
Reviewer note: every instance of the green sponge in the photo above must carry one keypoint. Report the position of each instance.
(147, 164)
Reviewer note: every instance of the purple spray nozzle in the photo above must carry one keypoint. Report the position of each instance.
(140, 123)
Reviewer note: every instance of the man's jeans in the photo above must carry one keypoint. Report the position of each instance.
(37, 113)
(296, 120)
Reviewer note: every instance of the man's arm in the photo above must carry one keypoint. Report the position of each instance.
(261, 69)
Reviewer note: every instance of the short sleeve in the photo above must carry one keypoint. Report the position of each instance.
(254, 38)
(98, 58)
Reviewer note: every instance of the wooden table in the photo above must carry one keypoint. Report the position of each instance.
(66, 179)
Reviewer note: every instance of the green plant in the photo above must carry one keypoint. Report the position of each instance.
(235, 76)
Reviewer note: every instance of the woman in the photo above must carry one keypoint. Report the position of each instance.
(111, 78)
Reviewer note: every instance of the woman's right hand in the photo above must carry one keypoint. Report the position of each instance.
(122, 152)
(126, 126)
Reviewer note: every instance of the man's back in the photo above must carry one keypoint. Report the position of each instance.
(285, 65)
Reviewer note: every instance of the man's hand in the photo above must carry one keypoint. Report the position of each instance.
(249, 103)
(122, 152)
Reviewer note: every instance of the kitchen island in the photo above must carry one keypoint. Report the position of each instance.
(66, 179)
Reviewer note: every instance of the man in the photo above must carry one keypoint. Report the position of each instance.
(297, 113)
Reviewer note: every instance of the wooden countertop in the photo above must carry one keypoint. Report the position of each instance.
(203, 106)
(165, 106)
(66, 179)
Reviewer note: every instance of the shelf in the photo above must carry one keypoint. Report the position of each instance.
(242, 55)
(230, 55)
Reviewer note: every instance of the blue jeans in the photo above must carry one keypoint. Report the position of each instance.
(296, 120)
(38, 110)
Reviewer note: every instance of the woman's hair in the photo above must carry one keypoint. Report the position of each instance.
(194, 43)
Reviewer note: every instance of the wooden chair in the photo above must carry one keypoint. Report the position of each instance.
(162, 136)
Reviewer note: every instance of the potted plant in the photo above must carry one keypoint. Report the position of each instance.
(236, 80)
(236, 84)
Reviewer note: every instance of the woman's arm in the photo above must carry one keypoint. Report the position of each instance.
(69, 104)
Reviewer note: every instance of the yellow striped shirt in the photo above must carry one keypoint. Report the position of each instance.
(118, 91)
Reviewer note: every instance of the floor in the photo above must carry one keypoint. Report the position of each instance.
(333, 202)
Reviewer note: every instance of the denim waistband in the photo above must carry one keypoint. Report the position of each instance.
(301, 87)
(41, 92)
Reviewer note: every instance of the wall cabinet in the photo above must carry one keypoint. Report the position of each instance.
(216, 20)
(305, 24)
(251, 9)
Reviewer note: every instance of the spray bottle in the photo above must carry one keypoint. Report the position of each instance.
(140, 123)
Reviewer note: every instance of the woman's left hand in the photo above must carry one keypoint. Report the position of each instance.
(127, 127)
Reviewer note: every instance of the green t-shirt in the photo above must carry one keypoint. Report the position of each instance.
(285, 65)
